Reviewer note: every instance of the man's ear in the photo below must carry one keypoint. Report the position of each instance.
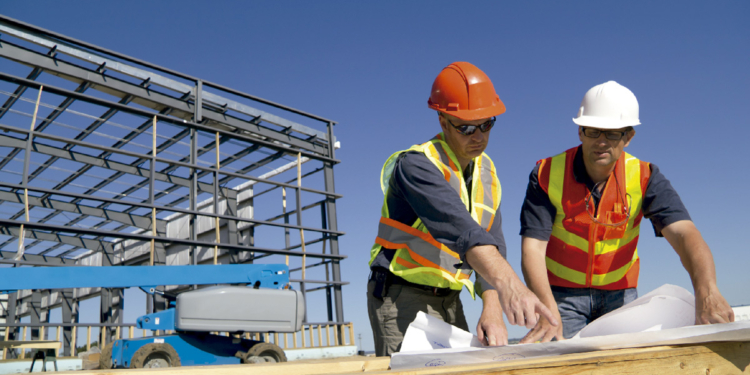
(629, 136)
(443, 125)
(580, 134)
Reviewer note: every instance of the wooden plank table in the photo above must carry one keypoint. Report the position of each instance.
(706, 358)
(34, 344)
(50, 347)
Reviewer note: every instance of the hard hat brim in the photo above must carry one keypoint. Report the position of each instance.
(604, 123)
(473, 114)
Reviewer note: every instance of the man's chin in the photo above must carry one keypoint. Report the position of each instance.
(604, 162)
(600, 159)
(475, 152)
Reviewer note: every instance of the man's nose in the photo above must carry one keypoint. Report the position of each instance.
(478, 135)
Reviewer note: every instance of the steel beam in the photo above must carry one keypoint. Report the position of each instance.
(159, 80)
(276, 145)
(37, 260)
(20, 90)
(91, 128)
(9, 228)
(43, 125)
(177, 210)
(162, 160)
(6, 141)
(37, 30)
(137, 221)
(150, 98)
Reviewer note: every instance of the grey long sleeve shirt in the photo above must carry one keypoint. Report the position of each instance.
(418, 190)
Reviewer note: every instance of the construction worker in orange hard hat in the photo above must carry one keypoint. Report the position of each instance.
(441, 221)
(582, 216)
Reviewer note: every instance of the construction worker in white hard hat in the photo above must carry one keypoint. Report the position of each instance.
(581, 219)
(441, 220)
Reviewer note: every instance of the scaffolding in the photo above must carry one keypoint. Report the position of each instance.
(107, 160)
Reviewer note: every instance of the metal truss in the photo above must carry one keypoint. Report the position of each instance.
(107, 160)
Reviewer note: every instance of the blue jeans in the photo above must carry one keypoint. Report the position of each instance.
(580, 306)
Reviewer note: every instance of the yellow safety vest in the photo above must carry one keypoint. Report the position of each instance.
(419, 258)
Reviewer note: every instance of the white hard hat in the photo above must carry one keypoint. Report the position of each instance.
(608, 106)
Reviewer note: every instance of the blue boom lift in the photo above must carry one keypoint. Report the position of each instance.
(265, 304)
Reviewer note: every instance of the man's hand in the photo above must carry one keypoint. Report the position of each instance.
(534, 269)
(491, 327)
(521, 306)
(544, 331)
(711, 307)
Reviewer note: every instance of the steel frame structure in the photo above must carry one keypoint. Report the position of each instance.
(126, 163)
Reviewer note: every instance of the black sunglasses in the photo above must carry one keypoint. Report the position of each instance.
(613, 135)
(470, 129)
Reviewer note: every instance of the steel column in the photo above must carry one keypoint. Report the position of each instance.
(11, 318)
(194, 172)
(333, 225)
(329, 296)
(35, 314)
(69, 315)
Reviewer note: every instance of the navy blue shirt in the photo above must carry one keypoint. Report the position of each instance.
(661, 203)
(417, 189)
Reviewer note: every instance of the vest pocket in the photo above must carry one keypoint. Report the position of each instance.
(618, 231)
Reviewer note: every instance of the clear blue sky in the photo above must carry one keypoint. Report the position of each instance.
(370, 65)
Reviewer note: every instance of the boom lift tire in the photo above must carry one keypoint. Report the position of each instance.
(155, 355)
(105, 357)
(264, 352)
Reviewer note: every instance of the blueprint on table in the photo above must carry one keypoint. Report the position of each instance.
(662, 317)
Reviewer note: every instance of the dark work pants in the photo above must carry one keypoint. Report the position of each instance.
(391, 316)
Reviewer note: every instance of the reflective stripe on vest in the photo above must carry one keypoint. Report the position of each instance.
(580, 252)
(420, 258)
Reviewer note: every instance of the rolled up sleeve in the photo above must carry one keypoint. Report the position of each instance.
(661, 203)
(537, 212)
(416, 180)
(496, 230)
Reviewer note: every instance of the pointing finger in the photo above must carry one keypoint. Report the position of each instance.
(544, 311)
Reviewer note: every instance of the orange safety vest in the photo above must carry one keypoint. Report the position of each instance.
(419, 258)
(580, 252)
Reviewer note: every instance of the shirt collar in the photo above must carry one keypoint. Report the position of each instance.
(469, 171)
(579, 170)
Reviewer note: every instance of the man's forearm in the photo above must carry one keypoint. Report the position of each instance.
(694, 254)
(490, 300)
(699, 262)
(710, 305)
(535, 269)
(486, 260)
(520, 305)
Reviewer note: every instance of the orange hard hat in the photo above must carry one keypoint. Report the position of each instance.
(464, 91)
